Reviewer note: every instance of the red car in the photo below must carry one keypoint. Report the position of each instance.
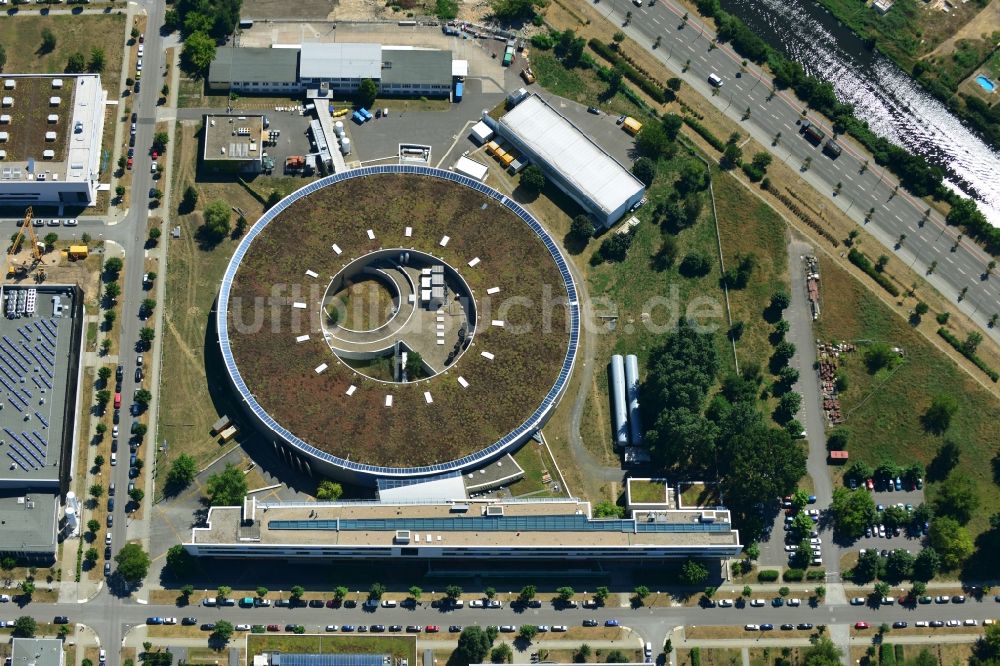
(129, 163)
(870, 483)
(273, 627)
(433, 629)
(118, 400)
(861, 625)
(154, 155)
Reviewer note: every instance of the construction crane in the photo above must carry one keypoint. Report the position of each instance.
(36, 256)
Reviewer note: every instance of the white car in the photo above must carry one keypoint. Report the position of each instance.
(543, 628)
(881, 530)
(560, 627)
(815, 541)
(790, 548)
(858, 601)
(477, 603)
(152, 168)
(726, 603)
(794, 602)
(71, 222)
(103, 656)
(332, 627)
(107, 538)
(757, 603)
(494, 603)
(715, 80)
(170, 620)
(751, 627)
(970, 623)
(4, 598)
(242, 627)
(114, 431)
(953, 623)
(921, 623)
(389, 603)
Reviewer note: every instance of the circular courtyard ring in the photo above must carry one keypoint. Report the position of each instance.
(316, 460)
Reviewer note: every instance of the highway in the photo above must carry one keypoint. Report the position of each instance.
(960, 265)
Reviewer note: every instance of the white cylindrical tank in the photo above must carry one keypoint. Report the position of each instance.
(632, 391)
(72, 520)
(71, 500)
(345, 146)
(338, 127)
(619, 421)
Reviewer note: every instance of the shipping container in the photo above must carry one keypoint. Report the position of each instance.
(458, 91)
(631, 125)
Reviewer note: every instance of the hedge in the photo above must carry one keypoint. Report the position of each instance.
(630, 71)
(793, 575)
(859, 259)
(705, 133)
(975, 358)
(887, 655)
(695, 656)
(816, 574)
(899, 653)
(767, 576)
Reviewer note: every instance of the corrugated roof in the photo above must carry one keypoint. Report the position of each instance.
(416, 66)
(259, 65)
(560, 144)
(340, 61)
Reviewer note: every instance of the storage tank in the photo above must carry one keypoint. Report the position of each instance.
(345, 146)
(632, 392)
(338, 127)
(72, 520)
(618, 406)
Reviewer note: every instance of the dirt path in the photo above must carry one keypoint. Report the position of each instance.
(983, 23)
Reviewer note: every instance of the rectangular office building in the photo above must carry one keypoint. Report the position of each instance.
(255, 70)
(341, 66)
(410, 72)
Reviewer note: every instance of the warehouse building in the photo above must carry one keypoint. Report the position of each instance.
(50, 146)
(554, 530)
(410, 72)
(254, 70)
(570, 159)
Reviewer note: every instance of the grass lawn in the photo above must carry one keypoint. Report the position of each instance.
(535, 461)
(883, 414)
(404, 647)
(579, 85)
(699, 494)
(712, 657)
(647, 492)
(198, 393)
(22, 37)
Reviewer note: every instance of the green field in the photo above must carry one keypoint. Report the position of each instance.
(646, 492)
(400, 647)
(883, 412)
(579, 85)
(21, 36)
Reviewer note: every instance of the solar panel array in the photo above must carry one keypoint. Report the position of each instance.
(484, 455)
(337, 659)
(32, 355)
(563, 523)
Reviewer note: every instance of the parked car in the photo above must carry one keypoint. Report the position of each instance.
(899, 624)
(332, 627)
(590, 623)
(455, 628)
(611, 623)
(751, 627)
(189, 621)
(861, 625)
(594, 110)
(804, 626)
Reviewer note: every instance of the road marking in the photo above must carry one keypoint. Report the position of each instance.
(690, 48)
(898, 218)
(949, 260)
(962, 271)
(848, 178)
(656, 21)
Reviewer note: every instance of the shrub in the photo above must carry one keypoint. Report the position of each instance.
(864, 263)
(632, 73)
(816, 574)
(793, 575)
(705, 133)
(767, 576)
(695, 656)
(962, 349)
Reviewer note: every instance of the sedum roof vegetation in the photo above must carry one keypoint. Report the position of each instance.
(502, 392)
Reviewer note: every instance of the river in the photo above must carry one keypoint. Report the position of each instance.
(889, 100)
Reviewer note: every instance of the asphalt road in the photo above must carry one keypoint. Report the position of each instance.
(926, 240)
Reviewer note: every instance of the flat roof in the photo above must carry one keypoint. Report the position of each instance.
(253, 64)
(565, 148)
(78, 127)
(340, 60)
(36, 373)
(233, 137)
(402, 64)
(511, 523)
(471, 168)
(37, 652)
(29, 520)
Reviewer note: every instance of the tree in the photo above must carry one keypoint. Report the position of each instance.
(526, 594)
(501, 654)
(160, 140)
(837, 439)
(938, 416)
(227, 488)
(48, 40)
(104, 373)
(329, 490)
(262, 592)
(97, 60)
(339, 592)
(96, 490)
(532, 179)
(133, 563)
(615, 247)
(223, 591)
(415, 592)
(582, 654)
(617, 657)
(601, 595)
(223, 631)
(182, 472)
(25, 627)
(527, 632)
(882, 589)
(780, 301)
(143, 396)
(951, 541)
(28, 589)
(180, 562)
(112, 290)
(120, 191)
(187, 590)
(565, 593)
(645, 170)
(653, 142)
(365, 95)
(731, 156)
(879, 356)
(852, 511)
(148, 304)
(3, 57)
(376, 591)
(693, 572)
(217, 219)
(98, 460)
(695, 264)
(296, 592)
(753, 551)
(453, 592)
(640, 593)
(956, 497)
(50, 240)
(899, 565)
(91, 555)
(490, 592)
(76, 63)
(473, 646)
(608, 509)
(190, 199)
(198, 53)
(93, 525)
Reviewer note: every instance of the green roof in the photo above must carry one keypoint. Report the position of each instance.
(262, 65)
(416, 66)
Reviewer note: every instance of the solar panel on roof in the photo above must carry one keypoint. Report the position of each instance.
(339, 659)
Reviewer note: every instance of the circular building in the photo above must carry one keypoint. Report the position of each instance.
(397, 322)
